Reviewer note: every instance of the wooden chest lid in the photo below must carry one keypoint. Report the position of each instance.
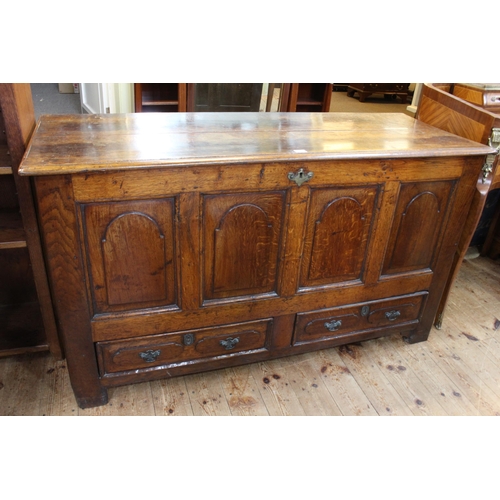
(67, 144)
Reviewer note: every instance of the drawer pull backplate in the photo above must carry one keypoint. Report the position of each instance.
(333, 326)
(392, 315)
(229, 343)
(150, 356)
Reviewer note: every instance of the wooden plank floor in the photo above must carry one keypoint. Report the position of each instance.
(456, 372)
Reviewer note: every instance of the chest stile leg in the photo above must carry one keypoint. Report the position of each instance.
(67, 277)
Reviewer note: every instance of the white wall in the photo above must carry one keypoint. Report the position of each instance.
(121, 97)
(107, 97)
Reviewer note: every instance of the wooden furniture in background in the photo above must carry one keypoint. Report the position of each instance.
(26, 316)
(306, 97)
(211, 97)
(222, 97)
(160, 97)
(234, 97)
(365, 90)
(447, 112)
(485, 95)
(251, 236)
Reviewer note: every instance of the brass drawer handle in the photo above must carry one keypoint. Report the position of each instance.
(229, 343)
(150, 356)
(333, 326)
(392, 315)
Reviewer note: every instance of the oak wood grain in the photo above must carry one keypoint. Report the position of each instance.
(158, 182)
(141, 272)
(84, 143)
(163, 321)
(254, 237)
(337, 233)
(61, 239)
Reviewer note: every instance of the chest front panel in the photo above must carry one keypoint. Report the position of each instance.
(242, 239)
(176, 253)
(336, 235)
(130, 248)
(418, 219)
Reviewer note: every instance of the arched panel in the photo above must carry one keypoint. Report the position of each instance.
(337, 234)
(242, 240)
(133, 250)
(130, 247)
(417, 223)
(242, 246)
(336, 250)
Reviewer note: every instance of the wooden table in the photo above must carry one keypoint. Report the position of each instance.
(180, 243)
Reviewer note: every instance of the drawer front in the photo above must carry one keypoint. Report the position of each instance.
(340, 321)
(398, 311)
(492, 99)
(190, 345)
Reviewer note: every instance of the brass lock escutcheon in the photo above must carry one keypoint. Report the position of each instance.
(300, 177)
(188, 339)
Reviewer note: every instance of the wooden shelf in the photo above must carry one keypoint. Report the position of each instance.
(160, 103)
(306, 97)
(5, 160)
(12, 233)
(21, 330)
(27, 321)
(309, 102)
(160, 97)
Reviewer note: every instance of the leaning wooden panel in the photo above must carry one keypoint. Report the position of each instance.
(449, 112)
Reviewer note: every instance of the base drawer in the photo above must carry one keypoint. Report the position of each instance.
(341, 321)
(164, 349)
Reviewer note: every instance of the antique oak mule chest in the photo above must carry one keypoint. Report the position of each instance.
(180, 243)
